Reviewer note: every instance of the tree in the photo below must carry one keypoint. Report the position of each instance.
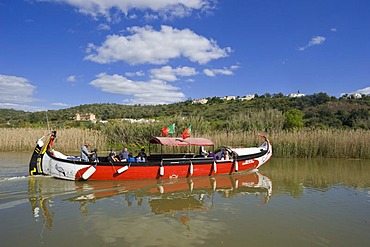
(319, 98)
(293, 119)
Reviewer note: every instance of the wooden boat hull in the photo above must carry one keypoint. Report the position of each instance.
(65, 167)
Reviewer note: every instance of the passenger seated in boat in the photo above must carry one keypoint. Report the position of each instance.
(211, 155)
(94, 156)
(202, 151)
(227, 156)
(130, 158)
(112, 157)
(123, 155)
(141, 156)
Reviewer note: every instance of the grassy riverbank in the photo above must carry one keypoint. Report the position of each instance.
(304, 143)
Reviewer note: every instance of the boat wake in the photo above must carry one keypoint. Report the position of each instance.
(15, 178)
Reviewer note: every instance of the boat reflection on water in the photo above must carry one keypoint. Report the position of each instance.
(189, 195)
(39, 201)
(173, 195)
(167, 196)
(41, 194)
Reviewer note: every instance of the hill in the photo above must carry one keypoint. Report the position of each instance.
(316, 111)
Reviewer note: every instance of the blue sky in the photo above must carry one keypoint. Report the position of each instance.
(62, 53)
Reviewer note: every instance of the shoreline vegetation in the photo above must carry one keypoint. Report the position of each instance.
(303, 143)
(309, 126)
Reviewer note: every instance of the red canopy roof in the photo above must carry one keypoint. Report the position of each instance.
(170, 141)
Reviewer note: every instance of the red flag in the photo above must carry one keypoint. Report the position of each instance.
(168, 130)
(187, 132)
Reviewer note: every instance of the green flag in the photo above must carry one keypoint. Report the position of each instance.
(168, 130)
(187, 132)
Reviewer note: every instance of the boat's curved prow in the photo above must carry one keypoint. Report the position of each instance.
(267, 156)
(35, 165)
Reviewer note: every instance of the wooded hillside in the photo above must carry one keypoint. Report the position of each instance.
(266, 112)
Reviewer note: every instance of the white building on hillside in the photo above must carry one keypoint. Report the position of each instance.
(296, 95)
(247, 97)
(229, 98)
(85, 117)
(355, 96)
(200, 101)
(141, 120)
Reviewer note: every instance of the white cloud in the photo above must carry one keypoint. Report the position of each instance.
(333, 29)
(224, 71)
(167, 73)
(365, 90)
(164, 8)
(133, 16)
(137, 73)
(150, 17)
(21, 107)
(71, 78)
(209, 72)
(16, 90)
(317, 40)
(16, 93)
(146, 45)
(152, 92)
(103, 27)
(59, 104)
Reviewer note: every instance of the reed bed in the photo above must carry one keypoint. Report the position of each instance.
(24, 139)
(73, 139)
(296, 144)
(305, 143)
(321, 144)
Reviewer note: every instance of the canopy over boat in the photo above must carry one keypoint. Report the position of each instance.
(170, 141)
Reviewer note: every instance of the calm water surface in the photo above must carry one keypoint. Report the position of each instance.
(289, 202)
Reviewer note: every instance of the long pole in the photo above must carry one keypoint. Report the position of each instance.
(47, 120)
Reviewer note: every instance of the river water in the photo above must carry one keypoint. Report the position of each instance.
(288, 202)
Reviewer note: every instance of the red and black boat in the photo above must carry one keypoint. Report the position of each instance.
(47, 161)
